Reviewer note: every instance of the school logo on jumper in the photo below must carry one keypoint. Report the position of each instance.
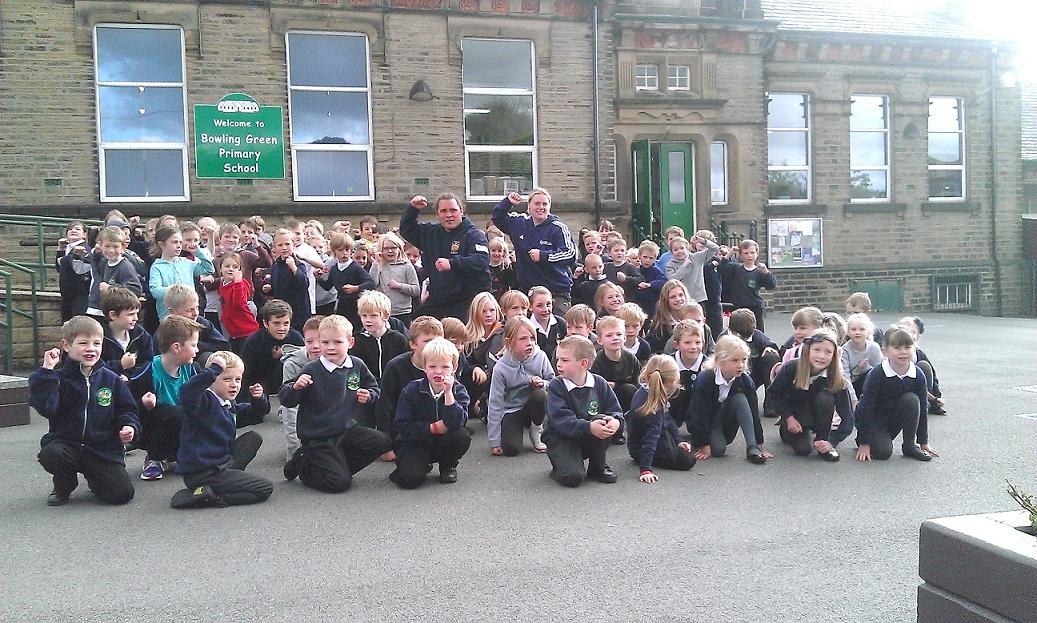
(751, 283)
(104, 397)
(455, 247)
(592, 408)
(353, 381)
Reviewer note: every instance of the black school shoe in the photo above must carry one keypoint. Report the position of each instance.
(605, 475)
(619, 438)
(935, 409)
(58, 498)
(194, 498)
(831, 456)
(916, 453)
(292, 465)
(755, 456)
(448, 476)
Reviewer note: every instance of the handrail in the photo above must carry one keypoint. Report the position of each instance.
(39, 222)
(8, 324)
(32, 316)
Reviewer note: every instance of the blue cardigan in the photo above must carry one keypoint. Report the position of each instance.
(644, 431)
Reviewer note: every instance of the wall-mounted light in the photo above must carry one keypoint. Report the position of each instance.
(420, 92)
(911, 130)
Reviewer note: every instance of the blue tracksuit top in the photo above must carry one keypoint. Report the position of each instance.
(552, 237)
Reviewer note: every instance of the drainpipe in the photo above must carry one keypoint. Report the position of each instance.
(993, 178)
(594, 112)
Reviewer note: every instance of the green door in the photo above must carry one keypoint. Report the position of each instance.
(677, 186)
(642, 190)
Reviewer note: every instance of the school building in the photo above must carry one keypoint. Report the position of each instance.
(864, 145)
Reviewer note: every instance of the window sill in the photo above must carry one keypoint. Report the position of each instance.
(794, 209)
(950, 206)
(874, 208)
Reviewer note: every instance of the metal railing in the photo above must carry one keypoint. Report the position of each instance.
(730, 237)
(42, 237)
(9, 312)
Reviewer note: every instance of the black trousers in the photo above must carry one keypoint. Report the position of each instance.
(757, 311)
(625, 394)
(761, 369)
(443, 309)
(561, 302)
(160, 431)
(815, 416)
(229, 482)
(446, 449)
(237, 343)
(904, 419)
(714, 313)
(108, 481)
(329, 464)
(668, 454)
(513, 424)
(568, 453)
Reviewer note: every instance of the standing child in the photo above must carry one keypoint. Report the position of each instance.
(91, 414)
(687, 263)
(127, 346)
(325, 301)
(293, 359)
(346, 277)
(394, 276)
(430, 420)
(236, 295)
(654, 440)
(289, 280)
(517, 396)
(647, 295)
(262, 351)
(860, 353)
(633, 324)
(725, 401)
(807, 393)
(328, 393)
(583, 414)
(73, 271)
(743, 279)
(502, 273)
(403, 369)
(550, 328)
(616, 365)
(621, 271)
(894, 402)
(585, 290)
(169, 268)
(109, 267)
(211, 458)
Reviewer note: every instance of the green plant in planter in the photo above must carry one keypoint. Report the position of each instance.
(1025, 500)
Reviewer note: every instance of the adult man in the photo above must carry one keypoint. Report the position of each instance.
(544, 248)
(453, 251)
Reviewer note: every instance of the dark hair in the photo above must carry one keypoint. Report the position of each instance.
(174, 330)
(273, 309)
(447, 197)
(163, 234)
(118, 300)
(742, 322)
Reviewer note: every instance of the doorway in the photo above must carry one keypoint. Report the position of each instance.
(663, 187)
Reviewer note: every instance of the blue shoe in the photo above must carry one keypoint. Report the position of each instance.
(152, 470)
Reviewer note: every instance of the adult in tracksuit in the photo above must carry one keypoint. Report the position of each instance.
(454, 252)
(544, 248)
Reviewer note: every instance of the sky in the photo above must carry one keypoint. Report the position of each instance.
(1014, 20)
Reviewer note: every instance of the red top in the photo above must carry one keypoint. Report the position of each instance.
(235, 315)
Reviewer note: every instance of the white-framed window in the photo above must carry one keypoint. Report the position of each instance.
(870, 178)
(788, 147)
(141, 103)
(498, 81)
(718, 173)
(946, 148)
(678, 78)
(646, 78)
(329, 114)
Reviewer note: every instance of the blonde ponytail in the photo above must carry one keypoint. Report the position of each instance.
(660, 375)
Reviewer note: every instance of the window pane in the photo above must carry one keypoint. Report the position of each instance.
(945, 183)
(501, 64)
(498, 119)
(497, 173)
(675, 171)
(868, 112)
(868, 185)
(142, 114)
(944, 148)
(718, 172)
(944, 114)
(867, 148)
(139, 55)
(787, 148)
(787, 110)
(332, 173)
(327, 60)
(329, 117)
(787, 184)
(144, 172)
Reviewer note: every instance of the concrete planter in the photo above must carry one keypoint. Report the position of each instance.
(14, 401)
(978, 568)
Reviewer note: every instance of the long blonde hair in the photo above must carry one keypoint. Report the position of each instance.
(390, 238)
(834, 369)
(661, 376)
(727, 347)
(474, 330)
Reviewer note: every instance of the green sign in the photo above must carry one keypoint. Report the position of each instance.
(238, 138)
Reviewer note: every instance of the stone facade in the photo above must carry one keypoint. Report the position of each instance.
(737, 50)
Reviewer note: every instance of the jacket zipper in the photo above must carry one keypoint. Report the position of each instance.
(378, 341)
(86, 408)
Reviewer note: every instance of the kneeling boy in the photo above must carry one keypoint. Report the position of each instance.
(211, 460)
(328, 393)
(430, 419)
(583, 414)
(91, 414)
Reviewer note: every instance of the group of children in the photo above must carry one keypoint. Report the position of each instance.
(634, 360)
